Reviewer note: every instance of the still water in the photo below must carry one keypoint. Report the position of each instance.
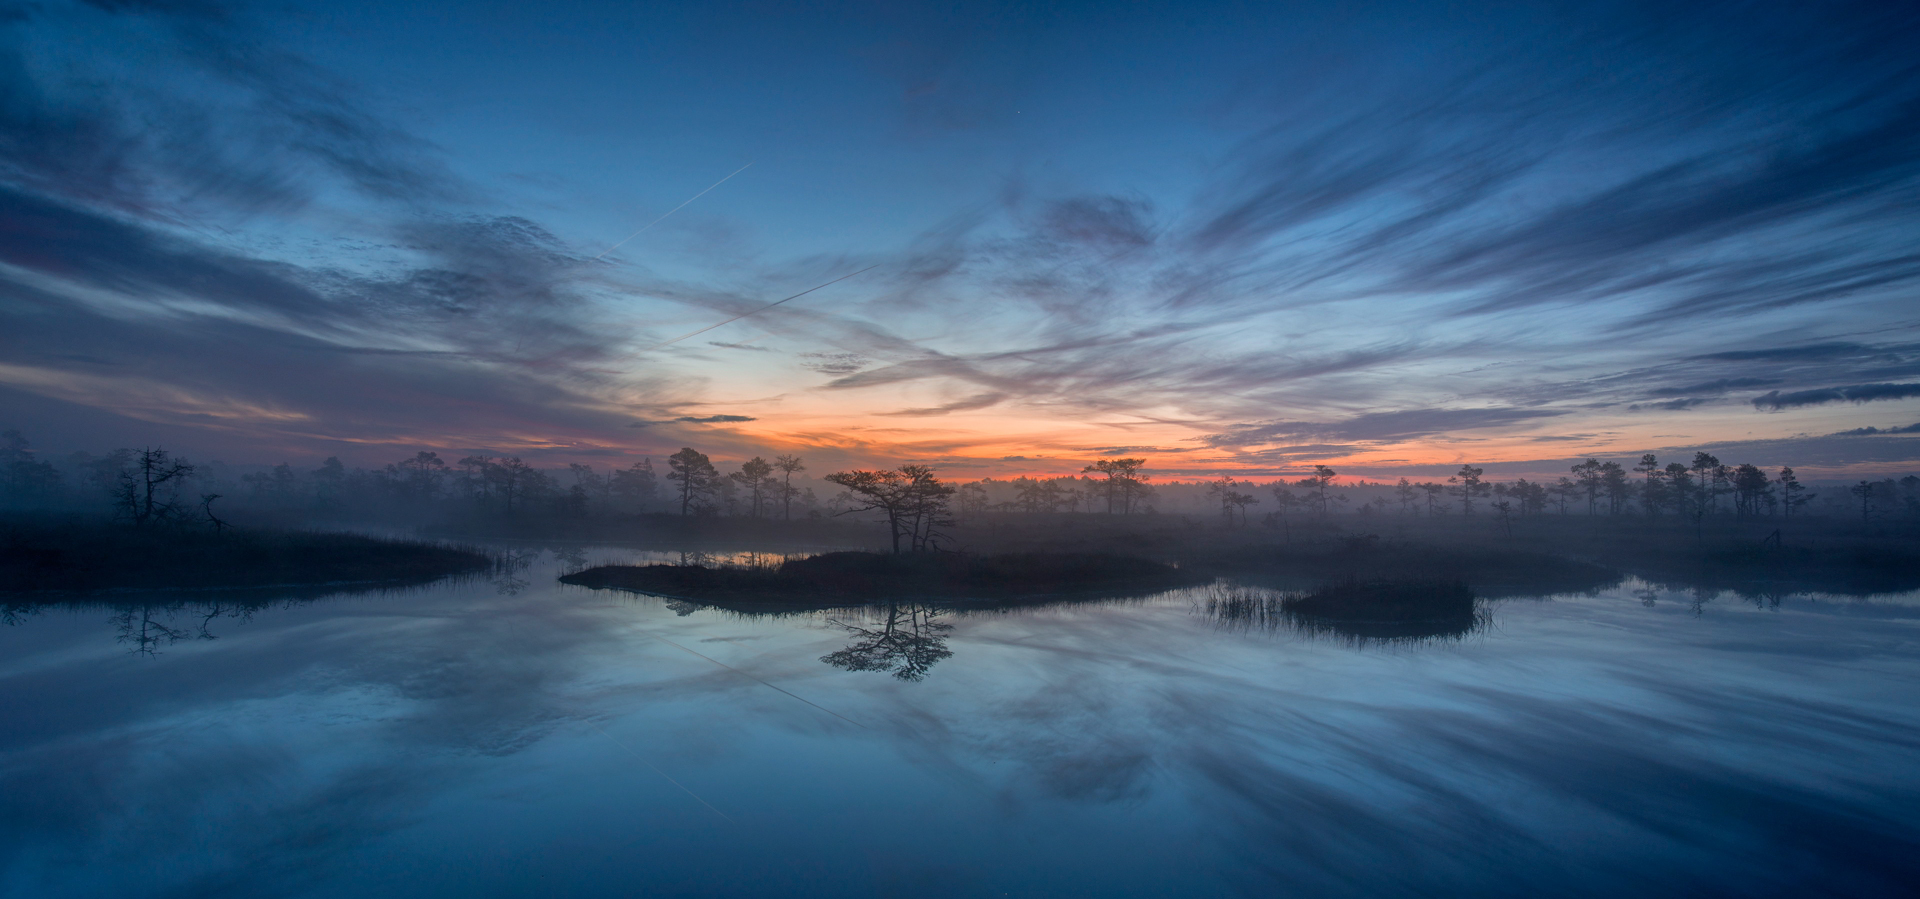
(516, 736)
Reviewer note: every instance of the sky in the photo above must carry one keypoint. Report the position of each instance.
(1002, 239)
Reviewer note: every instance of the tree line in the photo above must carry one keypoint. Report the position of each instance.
(149, 485)
(153, 486)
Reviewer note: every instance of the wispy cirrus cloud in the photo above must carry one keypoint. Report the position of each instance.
(1413, 225)
(127, 294)
(1381, 225)
(1871, 431)
(1680, 405)
(1379, 426)
(1715, 387)
(697, 420)
(977, 401)
(1774, 401)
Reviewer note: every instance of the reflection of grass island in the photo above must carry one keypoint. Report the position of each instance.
(1490, 571)
(46, 555)
(1358, 610)
(1386, 610)
(853, 578)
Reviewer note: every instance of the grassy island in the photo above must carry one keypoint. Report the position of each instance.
(855, 578)
(1491, 571)
(40, 555)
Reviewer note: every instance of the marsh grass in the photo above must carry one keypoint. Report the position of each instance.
(1358, 611)
(42, 555)
(841, 578)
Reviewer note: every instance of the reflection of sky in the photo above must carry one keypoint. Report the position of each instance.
(457, 740)
(1226, 235)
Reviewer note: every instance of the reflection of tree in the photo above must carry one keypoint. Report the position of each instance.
(507, 567)
(244, 612)
(571, 558)
(908, 642)
(149, 626)
(138, 626)
(681, 607)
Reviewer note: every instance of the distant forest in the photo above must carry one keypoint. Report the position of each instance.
(151, 485)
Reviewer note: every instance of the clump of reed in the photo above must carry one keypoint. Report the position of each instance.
(1359, 610)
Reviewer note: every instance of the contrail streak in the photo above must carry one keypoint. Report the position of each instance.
(663, 216)
(656, 770)
(742, 315)
(752, 678)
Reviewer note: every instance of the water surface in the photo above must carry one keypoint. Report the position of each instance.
(519, 737)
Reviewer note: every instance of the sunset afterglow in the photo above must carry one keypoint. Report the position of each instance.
(1393, 240)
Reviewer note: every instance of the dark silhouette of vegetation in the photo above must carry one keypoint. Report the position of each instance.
(834, 580)
(1494, 570)
(1696, 521)
(1123, 484)
(23, 478)
(635, 487)
(756, 478)
(1317, 486)
(916, 504)
(1232, 501)
(788, 467)
(148, 490)
(1763, 564)
(695, 474)
(1469, 487)
(1792, 494)
(1284, 502)
(48, 553)
(218, 524)
(1358, 611)
(1503, 512)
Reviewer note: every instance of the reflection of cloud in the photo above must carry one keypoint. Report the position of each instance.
(344, 729)
(1288, 769)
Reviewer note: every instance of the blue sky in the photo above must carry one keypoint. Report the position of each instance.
(1248, 237)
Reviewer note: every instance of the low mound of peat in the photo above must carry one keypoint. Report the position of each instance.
(856, 578)
(63, 556)
(1489, 571)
